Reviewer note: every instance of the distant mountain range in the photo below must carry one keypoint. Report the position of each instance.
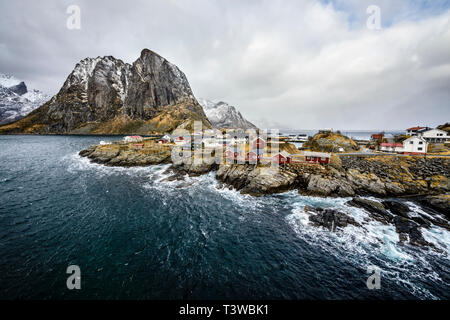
(104, 95)
(222, 115)
(16, 101)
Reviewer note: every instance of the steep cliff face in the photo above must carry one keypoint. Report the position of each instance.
(154, 82)
(107, 96)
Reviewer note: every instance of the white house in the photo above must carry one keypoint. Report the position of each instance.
(413, 131)
(212, 142)
(391, 147)
(414, 145)
(133, 139)
(434, 135)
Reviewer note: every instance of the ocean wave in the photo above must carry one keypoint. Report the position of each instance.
(372, 241)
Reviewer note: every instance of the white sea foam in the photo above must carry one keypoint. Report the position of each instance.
(439, 237)
(373, 239)
(362, 245)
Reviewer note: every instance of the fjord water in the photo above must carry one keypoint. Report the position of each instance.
(136, 236)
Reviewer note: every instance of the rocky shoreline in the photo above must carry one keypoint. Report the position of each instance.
(407, 224)
(424, 179)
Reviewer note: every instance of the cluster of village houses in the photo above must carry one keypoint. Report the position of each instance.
(417, 142)
(242, 149)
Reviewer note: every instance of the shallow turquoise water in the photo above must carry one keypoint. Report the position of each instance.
(137, 237)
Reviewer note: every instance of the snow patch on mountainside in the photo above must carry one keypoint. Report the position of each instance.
(8, 80)
(14, 106)
(222, 115)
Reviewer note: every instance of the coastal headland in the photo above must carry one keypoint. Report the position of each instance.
(388, 178)
(344, 176)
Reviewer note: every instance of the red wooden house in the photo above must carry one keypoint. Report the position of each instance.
(232, 154)
(282, 158)
(377, 136)
(317, 157)
(252, 156)
(258, 143)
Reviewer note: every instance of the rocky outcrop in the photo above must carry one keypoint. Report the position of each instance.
(329, 218)
(324, 186)
(408, 230)
(224, 116)
(445, 127)
(127, 154)
(192, 169)
(256, 180)
(107, 96)
(394, 176)
(376, 176)
(331, 142)
(440, 203)
(376, 209)
(399, 214)
(19, 89)
(397, 208)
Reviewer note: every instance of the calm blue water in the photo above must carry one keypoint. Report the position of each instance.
(137, 237)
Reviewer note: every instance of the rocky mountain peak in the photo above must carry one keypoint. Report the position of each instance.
(16, 101)
(104, 89)
(19, 89)
(222, 115)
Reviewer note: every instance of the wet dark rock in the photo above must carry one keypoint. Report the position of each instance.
(376, 209)
(87, 152)
(330, 218)
(405, 226)
(421, 221)
(397, 208)
(312, 209)
(403, 237)
(440, 203)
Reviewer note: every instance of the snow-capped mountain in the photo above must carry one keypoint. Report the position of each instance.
(105, 95)
(15, 99)
(222, 115)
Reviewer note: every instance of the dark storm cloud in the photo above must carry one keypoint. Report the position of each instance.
(291, 64)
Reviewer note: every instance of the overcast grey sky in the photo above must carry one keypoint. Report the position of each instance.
(286, 64)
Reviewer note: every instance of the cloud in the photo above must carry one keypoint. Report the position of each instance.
(291, 64)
